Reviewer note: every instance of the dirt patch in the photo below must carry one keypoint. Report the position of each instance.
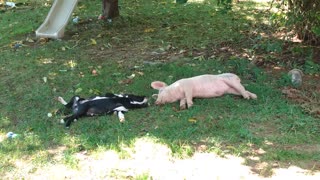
(308, 100)
(307, 95)
(265, 129)
(314, 148)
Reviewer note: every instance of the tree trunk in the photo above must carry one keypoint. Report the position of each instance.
(110, 9)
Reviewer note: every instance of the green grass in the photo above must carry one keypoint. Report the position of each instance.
(226, 125)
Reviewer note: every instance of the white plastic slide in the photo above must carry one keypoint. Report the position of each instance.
(57, 19)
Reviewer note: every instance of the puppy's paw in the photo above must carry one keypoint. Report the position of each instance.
(122, 120)
(121, 116)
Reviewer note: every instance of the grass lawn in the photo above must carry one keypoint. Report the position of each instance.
(276, 134)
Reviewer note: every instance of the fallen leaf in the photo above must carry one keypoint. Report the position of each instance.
(46, 60)
(192, 120)
(45, 79)
(81, 74)
(52, 75)
(131, 76)
(93, 42)
(182, 51)
(94, 91)
(231, 147)
(78, 90)
(140, 73)
(29, 40)
(199, 58)
(277, 68)
(107, 45)
(72, 64)
(148, 30)
(126, 81)
(44, 40)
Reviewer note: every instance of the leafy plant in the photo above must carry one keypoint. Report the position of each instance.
(311, 67)
(301, 16)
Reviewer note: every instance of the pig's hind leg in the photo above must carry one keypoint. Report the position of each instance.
(252, 95)
(238, 89)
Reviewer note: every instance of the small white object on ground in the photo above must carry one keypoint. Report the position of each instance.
(11, 4)
(11, 135)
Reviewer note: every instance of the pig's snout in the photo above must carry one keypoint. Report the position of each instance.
(156, 97)
(158, 102)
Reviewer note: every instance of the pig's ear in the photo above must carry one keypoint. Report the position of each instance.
(158, 85)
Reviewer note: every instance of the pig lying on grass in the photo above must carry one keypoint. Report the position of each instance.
(204, 86)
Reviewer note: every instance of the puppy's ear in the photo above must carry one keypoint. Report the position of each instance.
(158, 85)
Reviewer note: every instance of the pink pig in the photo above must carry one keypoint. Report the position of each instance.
(203, 86)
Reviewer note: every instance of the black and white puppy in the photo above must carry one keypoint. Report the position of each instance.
(100, 105)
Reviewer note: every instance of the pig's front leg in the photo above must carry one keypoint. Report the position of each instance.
(183, 104)
(188, 96)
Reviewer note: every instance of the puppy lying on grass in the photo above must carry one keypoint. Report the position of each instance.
(203, 86)
(101, 105)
